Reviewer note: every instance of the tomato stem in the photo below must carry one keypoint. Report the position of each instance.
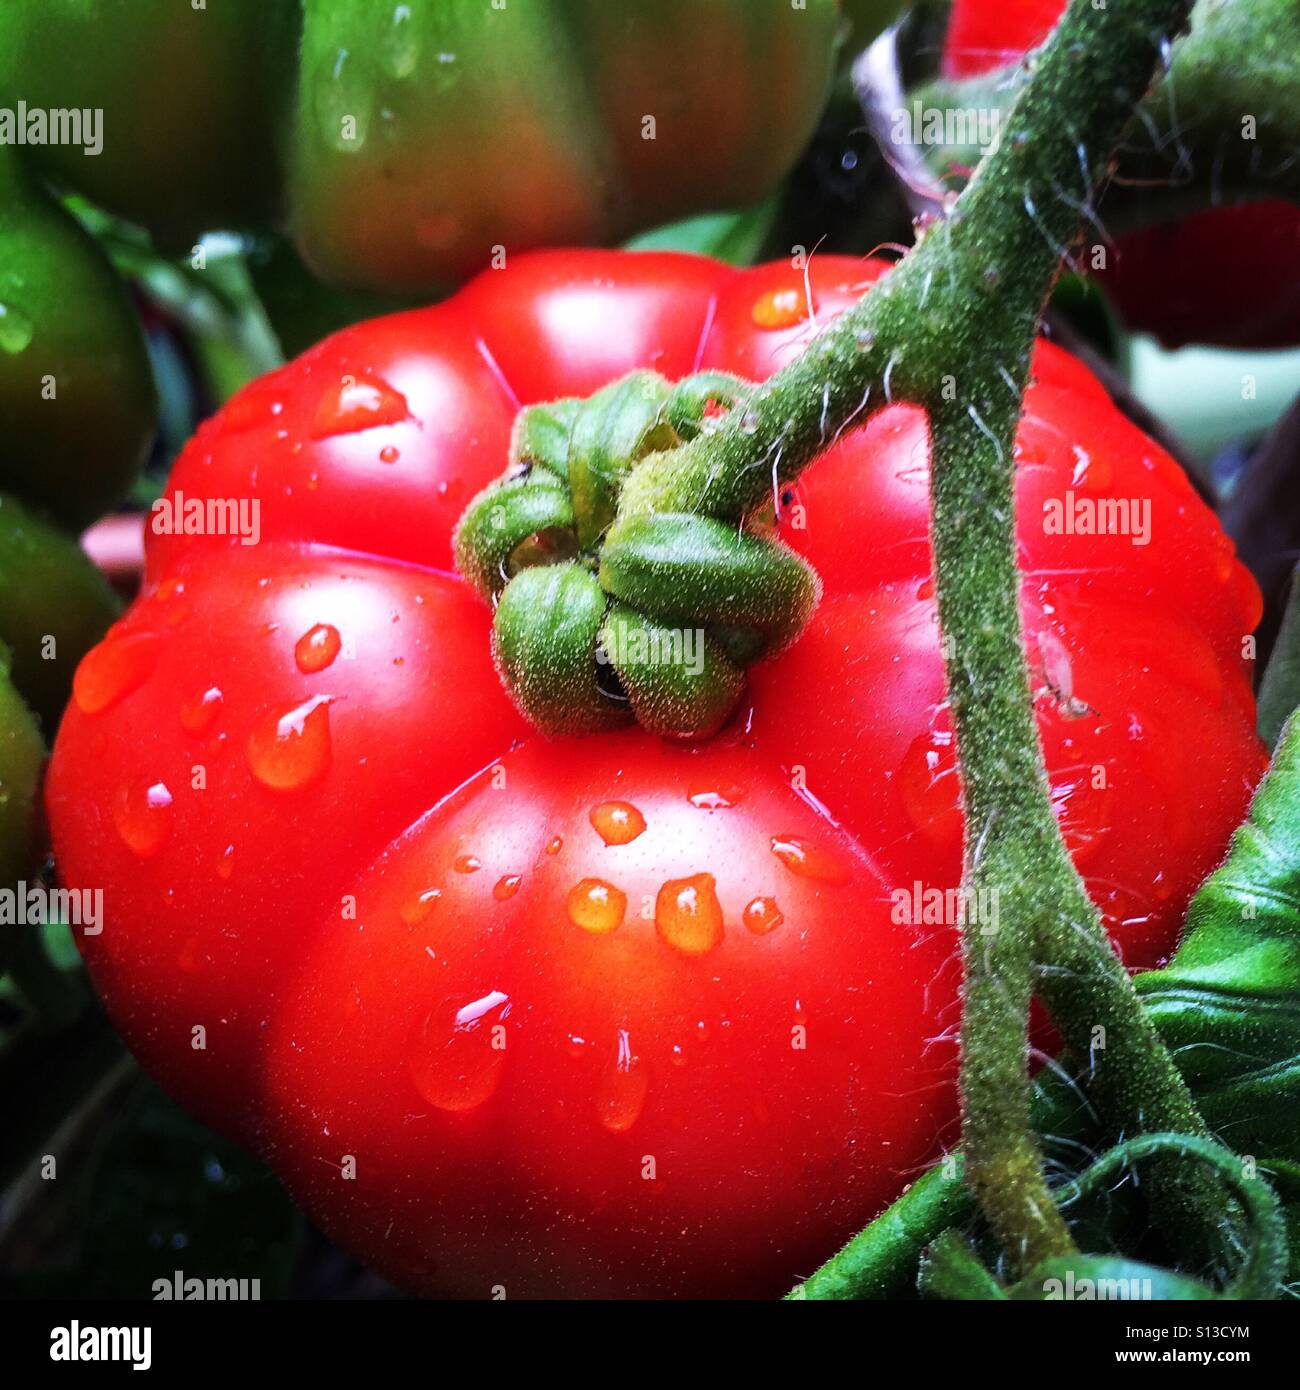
(952, 328)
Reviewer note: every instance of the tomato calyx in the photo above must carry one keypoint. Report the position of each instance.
(607, 616)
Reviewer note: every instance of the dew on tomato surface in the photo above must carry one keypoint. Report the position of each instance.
(170, 594)
(467, 864)
(289, 751)
(927, 783)
(257, 405)
(142, 814)
(555, 845)
(617, 822)
(762, 915)
(358, 403)
(715, 796)
(390, 453)
(1089, 471)
(624, 1084)
(596, 906)
(808, 860)
(226, 862)
(200, 713)
(780, 308)
(506, 887)
(458, 1050)
(688, 916)
(317, 648)
(417, 909)
(113, 669)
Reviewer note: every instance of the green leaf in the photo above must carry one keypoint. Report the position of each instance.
(735, 237)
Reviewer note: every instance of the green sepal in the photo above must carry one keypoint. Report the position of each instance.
(544, 640)
(697, 569)
(541, 434)
(678, 680)
(500, 519)
(688, 404)
(949, 1269)
(612, 432)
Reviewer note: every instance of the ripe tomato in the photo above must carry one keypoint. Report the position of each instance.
(1173, 278)
(603, 1016)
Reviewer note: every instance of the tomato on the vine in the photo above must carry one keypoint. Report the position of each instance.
(606, 1015)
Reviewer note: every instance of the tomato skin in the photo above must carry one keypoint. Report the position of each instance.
(1224, 275)
(377, 868)
(668, 1118)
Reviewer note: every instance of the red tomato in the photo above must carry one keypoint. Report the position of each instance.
(603, 1016)
(1226, 275)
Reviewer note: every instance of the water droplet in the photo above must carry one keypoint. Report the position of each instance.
(617, 822)
(596, 906)
(506, 887)
(317, 648)
(389, 454)
(927, 782)
(401, 47)
(1089, 471)
(865, 340)
(808, 860)
(555, 846)
(688, 915)
(289, 751)
(417, 909)
(113, 669)
(142, 814)
(358, 403)
(175, 606)
(762, 915)
(253, 406)
(467, 864)
(623, 1087)
(199, 714)
(226, 863)
(16, 330)
(457, 1051)
(780, 308)
(715, 796)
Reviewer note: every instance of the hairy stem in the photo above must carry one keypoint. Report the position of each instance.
(952, 328)
(1221, 124)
